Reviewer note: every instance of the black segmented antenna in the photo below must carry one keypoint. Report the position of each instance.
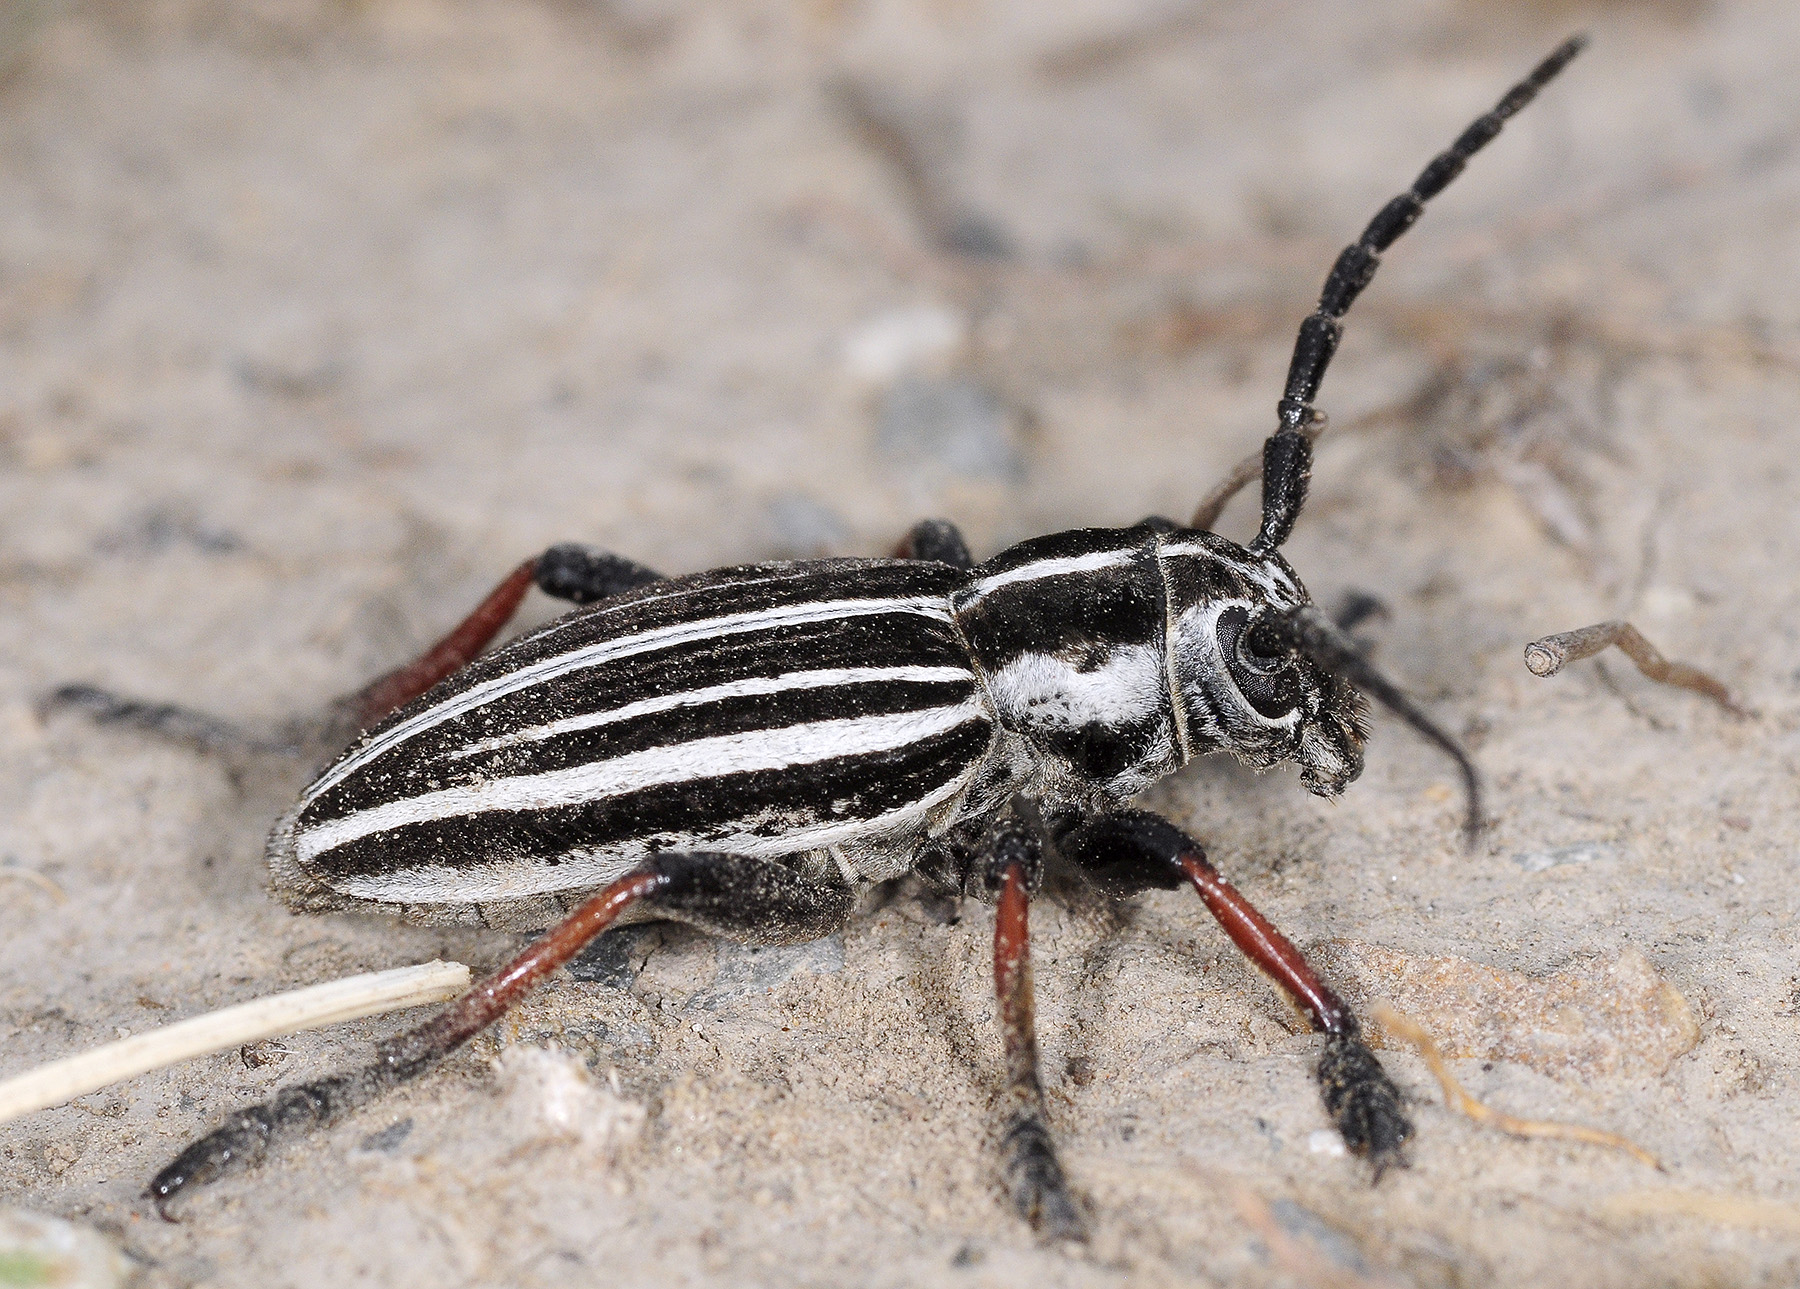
(1287, 456)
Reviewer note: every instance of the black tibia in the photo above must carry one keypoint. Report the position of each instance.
(1033, 1174)
(1287, 457)
(938, 540)
(758, 901)
(585, 574)
(1136, 849)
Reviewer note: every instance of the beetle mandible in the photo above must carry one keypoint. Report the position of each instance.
(746, 749)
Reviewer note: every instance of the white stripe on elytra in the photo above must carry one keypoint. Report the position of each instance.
(605, 651)
(822, 679)
(704, 758)
(1048, 568)
(510, 879)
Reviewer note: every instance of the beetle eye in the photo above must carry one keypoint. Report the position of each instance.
(1261, 666)
(1260, 648)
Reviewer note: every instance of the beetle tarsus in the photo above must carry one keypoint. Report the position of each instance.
(1365, 1104)
(1035, 1180)
(198, 730)
(246, 1137)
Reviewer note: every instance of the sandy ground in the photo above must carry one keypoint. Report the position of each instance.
(317, 315)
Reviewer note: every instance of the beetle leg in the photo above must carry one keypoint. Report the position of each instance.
(579, 574)
(756, 900)
(201, 731)
(935, 539)
(1134, 851)
(1034, 1177)
(469, 637)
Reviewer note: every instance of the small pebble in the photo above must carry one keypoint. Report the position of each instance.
(551, 1097)
(1582, 852)
(891, 344)
(1323, 1141)
(38, 1251)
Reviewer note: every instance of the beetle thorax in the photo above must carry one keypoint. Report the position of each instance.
(1116, 655)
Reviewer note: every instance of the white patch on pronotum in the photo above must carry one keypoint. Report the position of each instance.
(1044, 691)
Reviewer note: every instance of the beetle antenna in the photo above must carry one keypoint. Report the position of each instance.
(1287, 456)
(1321, 640)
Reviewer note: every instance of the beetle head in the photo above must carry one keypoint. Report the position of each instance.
(1244, 686)
(1261, 673)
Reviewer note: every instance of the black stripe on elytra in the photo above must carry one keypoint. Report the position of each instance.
(700, 814)
(720, 593)
(410, 777)
(880, 640)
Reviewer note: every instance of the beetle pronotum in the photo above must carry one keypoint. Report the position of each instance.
(745, 749)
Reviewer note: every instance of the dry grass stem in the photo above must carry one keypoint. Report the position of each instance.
(373, 994)
(1721, 1210)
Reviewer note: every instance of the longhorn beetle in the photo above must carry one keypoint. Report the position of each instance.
(746, 749)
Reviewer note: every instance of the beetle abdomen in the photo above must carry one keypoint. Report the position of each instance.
(768, 710)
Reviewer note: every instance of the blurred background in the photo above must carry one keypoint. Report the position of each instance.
(390, 293)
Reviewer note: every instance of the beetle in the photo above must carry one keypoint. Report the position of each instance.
(747, 749)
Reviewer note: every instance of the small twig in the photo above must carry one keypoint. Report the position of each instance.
(37, 879)
(372, 994)
(1548, 656)
(1459, 1100)
(1250, 468)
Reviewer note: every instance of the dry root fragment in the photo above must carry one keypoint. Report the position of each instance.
(1551, 654)
(1463, 1103)
(36, 879)
(1599, 1019)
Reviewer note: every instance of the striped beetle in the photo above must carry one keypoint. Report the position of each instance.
(746, 750)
